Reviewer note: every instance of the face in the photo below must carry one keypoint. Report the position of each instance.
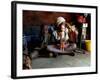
(45, 29)
(62, 27)
(73, 27)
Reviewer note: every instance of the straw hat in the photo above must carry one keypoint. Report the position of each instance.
(60, 20)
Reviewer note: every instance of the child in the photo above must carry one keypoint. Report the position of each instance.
(27, 62)
(73, 33)
(45, 36)
(62, 37)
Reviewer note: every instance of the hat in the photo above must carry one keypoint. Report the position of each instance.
(60, 20)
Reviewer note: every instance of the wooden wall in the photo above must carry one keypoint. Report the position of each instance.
(39, 17)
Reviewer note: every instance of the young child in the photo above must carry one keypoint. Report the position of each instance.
(62, 37)
(45, 36)
(27, 62)
(73, 33)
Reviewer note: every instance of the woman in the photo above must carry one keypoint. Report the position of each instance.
(61, 33)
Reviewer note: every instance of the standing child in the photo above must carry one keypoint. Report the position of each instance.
(62, 32)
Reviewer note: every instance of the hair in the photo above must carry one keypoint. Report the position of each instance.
(26, 60)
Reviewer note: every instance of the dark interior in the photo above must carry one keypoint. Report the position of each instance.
(32, 21)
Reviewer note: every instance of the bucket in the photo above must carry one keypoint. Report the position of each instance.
(88, 45)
